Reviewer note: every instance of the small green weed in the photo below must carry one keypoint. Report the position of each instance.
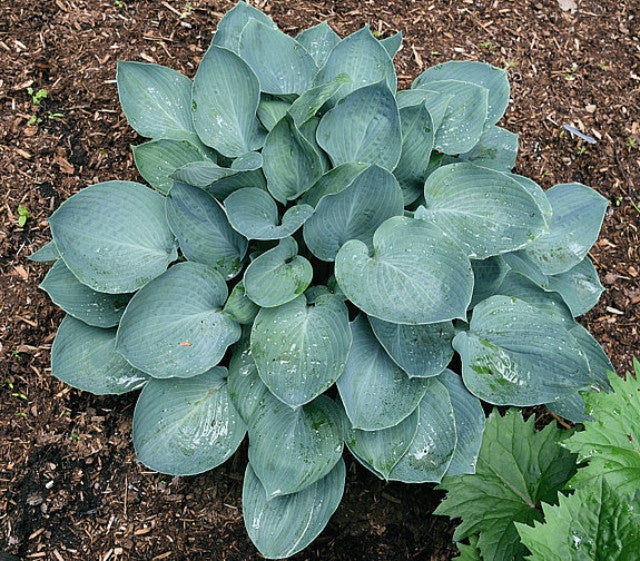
(23, 216)
(37, 96)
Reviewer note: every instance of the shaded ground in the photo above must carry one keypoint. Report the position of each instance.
(69, 484)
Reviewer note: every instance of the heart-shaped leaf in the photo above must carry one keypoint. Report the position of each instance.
(114, 236)
(318, 41)
(354, 213)
(301, 350)
(496, 149)
(185, 427)
(225, 95)
(231, 25)
(283, 526)
(376, 393)
(175, 327)
(291, 449)
(278, 275)
(364, 127)
(416, 275)
(85, 357)
(203, 231)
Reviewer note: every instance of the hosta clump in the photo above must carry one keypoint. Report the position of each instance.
(313, 251)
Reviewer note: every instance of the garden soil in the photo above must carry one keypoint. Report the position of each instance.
(70, 487)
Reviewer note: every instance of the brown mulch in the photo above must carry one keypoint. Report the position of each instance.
(70, 487)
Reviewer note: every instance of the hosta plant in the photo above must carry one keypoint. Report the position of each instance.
(321, 259)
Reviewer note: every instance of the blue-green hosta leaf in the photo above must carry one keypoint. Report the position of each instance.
(480, 73)
(361, 57)
(114, 236)
(332, 182)
(254, 214)
(376, 392)
(517, 470)
(291, 163)
(421, 351)
(392, 44)
(464, 118)
(85, 357)
(517, 354)
(381, 450)
(579, 287)
(246, 389)
(203, 231)
(239, 307)
(578, 212)
(185, 427)
(278, 275)
(231, 25)
(484, 210)
(318, 41)
(78, 300)
(496, 149)
(488, 275)
(157, 160)
(611, 442)
(48, 253)
(593, 524)
(283, 526)
(354, 213)
(310, 102)
(174, 326)
(417, 143)
(219, 182)
(435, 102)
(364, 127)
(537, 193)
(308, 130)
(271, 109)
(416, 275)
(282, 65)
(431, 450)
(291, 449)
(301, 350)
(251, 161)
(225, 95)
(469, 419)
(156, 100)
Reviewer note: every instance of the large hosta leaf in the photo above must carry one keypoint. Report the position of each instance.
(486, 211)
(420, 350)
(318, 41)
(203, 231)
(278, 275)
(496, 149)
(464, 118)
(416, 275)
(493, 79)
(361, 57)
(517, 354)
(282, 526)
(301, 350)
(281, 64)
(517, 470)
(579, 287)
(291, 163)
(291, 449)
(469, 420)
(381, 450)
(310, 102)
(219, 182)
(240, 307)
(376, 392)
(354, 213)
(78, 300)
(114, 236)
(225, 95)
(184, 427)
(230, 26)
(254, 214)
(155, 99)
(593, 524)
(174, 326)
(332, 182)
(85, 357)
(431, 450)
(578, 212)
(365, 128)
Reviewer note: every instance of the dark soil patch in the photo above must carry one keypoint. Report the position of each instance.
(70, 487)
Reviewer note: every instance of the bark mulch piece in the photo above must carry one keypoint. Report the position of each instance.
(70, 487)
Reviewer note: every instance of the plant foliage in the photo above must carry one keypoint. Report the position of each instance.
(314, 249)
